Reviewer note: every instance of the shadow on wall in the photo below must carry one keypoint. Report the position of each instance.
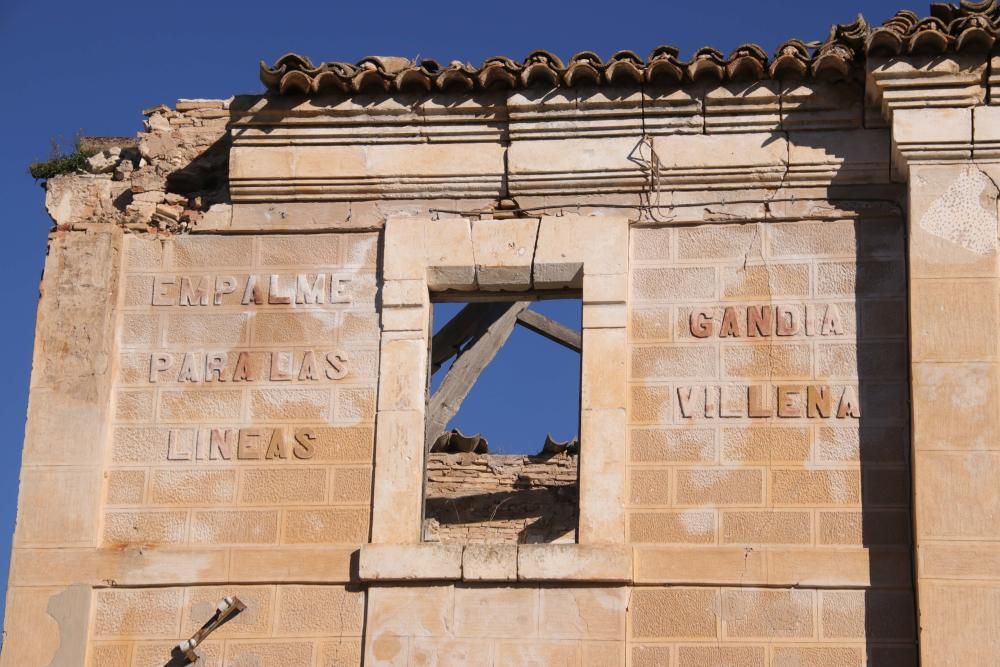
(883, 442)
(881, 445)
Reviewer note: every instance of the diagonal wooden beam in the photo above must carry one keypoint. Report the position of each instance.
(554, 331)
(470, 322)
(455, 386)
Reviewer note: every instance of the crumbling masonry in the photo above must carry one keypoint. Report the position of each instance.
(789, 427)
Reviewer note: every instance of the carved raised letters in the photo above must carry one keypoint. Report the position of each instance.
(272, 289)
(761, 401)
(767, 321)
(276, 366)
(243, 444)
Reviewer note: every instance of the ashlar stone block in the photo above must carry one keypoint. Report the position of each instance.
(504, 251)
(568, 562)
(495, 612)
(407, 562)
(451, 263)
(568, 245)
(489, 562)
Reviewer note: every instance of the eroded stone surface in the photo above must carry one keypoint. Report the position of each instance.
(237, 411)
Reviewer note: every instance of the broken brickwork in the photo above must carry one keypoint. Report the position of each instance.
(500, 499)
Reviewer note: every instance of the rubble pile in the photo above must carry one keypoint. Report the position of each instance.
(172, 177)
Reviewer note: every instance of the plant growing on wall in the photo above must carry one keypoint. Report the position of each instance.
(62, 162)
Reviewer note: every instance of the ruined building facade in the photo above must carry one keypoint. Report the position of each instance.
(788, 450)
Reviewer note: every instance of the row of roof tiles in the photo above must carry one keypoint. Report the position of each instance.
(971, 26)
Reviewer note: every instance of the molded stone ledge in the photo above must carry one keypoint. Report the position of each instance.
(172, 567)
(481, 563)
(574, 562)
(489, 562)
(851, 567)
(410, 562)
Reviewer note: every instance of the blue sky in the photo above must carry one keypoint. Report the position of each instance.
(93, 66)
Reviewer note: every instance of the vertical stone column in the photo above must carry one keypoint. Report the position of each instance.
(954, 287)
(71, 378)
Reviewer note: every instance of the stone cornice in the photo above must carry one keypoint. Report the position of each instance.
(563, 142)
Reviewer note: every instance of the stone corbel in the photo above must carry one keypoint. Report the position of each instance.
(928, 103)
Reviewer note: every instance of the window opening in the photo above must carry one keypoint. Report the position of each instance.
(502, 422)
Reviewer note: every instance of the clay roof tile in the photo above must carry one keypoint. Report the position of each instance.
(969, 25)
(791, 61)
(584, 69)
(624, 68)
(747, 62)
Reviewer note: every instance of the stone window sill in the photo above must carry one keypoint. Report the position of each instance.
(495, 563)
(836, 567)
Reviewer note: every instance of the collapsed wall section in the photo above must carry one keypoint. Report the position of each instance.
(500, 499)
(226, 383)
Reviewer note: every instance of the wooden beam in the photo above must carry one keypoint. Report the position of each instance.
(470, 322)
(466, 370)
(554, 331)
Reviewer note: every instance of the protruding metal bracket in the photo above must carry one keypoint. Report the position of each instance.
(226, 610)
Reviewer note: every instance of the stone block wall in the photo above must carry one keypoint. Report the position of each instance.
(240, 410)
(768, 411)
(500, 499)
(493, 625)
(245, 393)
(298, 626)
(759, 626)
(768, 385)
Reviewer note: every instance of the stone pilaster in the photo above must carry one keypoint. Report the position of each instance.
(58, 505)
(945, 155)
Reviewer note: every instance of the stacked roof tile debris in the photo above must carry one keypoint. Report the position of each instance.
(971, 26)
